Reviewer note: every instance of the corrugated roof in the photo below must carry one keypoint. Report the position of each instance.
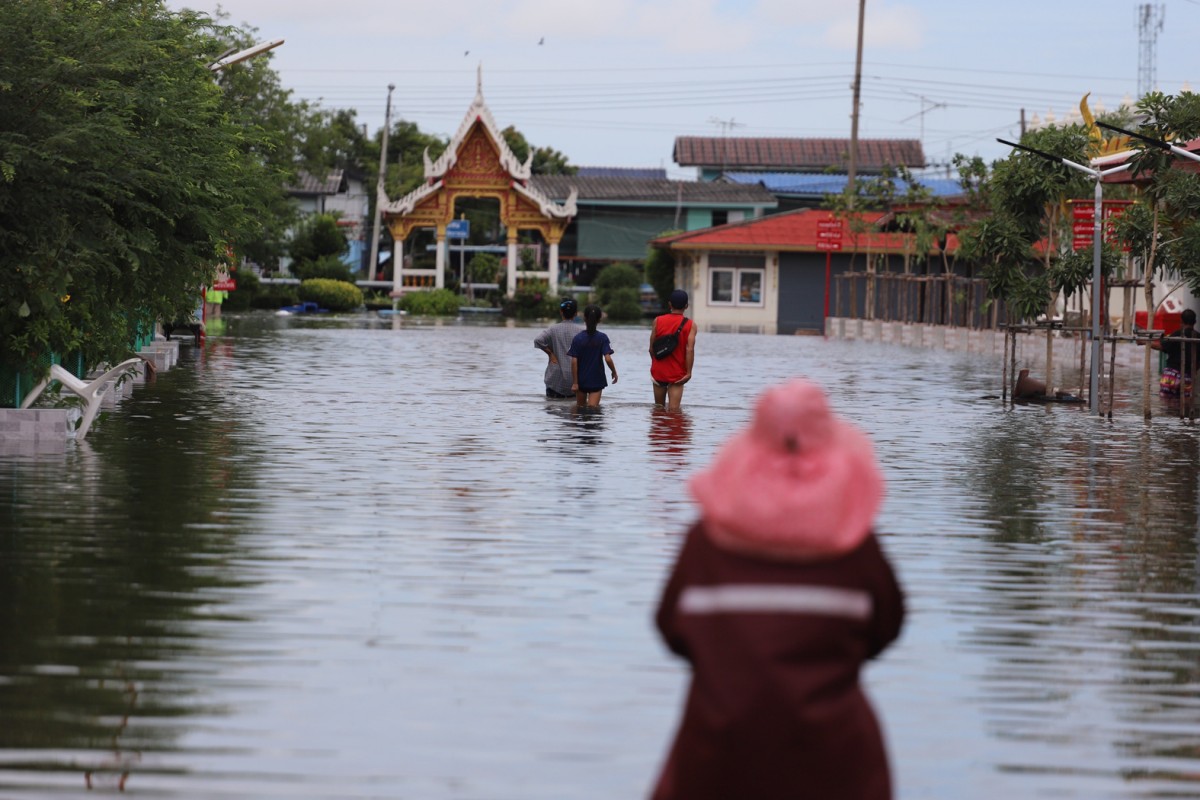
(653, 190)
(792, 231)
(822, 184)
(307, 183)
(622, 172)
(794, 154)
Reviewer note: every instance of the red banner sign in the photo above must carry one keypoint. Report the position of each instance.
(1083, 229)
(829, 234)
(226, 285)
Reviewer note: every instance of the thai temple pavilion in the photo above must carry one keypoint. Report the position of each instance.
(477, 164)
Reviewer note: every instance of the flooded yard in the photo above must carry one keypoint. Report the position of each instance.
(350, 558)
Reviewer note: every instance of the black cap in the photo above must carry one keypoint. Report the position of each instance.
(679, 299)
(569, 306)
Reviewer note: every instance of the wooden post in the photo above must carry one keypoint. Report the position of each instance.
(1112, 375)
(1049, 359)
(1004, 373)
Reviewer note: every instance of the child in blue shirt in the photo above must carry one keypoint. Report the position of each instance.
(589, 350)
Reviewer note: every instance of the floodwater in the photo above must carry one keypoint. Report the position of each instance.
(346, 558)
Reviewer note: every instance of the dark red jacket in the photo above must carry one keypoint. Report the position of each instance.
(775, 709)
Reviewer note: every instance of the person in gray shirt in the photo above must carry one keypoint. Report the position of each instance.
(555, 341)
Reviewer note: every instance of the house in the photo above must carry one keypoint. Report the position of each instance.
(808, 190)
(713, 156)
(775, 274)
(342, 193)
(618, 215)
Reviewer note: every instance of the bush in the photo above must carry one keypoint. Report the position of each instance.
(614, 277)
(531, 301)
(624, 305)
(334, 295)
(434, 303)
(275, 297)
(241, 298)
(483, 267)
(328, 267)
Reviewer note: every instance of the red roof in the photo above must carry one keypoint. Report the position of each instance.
(795, 231)
(741, 153)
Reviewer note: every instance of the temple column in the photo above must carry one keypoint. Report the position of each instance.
(397, 267)
(554, 269)
(512, 261)
(440, 278)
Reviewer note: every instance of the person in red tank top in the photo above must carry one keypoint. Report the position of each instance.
(671, 373)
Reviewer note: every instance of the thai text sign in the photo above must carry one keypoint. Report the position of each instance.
(1083, 227)
(829, 234)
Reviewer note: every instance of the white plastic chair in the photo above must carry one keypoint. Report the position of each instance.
(91, 391)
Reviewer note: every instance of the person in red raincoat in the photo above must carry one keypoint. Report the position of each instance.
(778, 596)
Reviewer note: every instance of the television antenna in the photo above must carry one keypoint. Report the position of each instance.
(925, 109)
(726, 126)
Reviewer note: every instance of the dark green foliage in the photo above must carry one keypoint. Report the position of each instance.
(531, 301)
(317, 236)
(618, 289)
(330, 267)
(483, 268)
(624, 305)
(1072, 271)
(437, 302)
(242, 298)
(124, 173)
(270, 297)
(333, 295)
(613, 277)
(546, 160)
(660, 270)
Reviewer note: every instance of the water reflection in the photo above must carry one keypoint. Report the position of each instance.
(114, 558)
(670, 436)
(361, 557)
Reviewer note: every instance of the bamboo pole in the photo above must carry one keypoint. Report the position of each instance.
(1112, 376)
(1004, 373)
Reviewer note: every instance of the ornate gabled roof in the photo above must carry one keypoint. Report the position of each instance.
(436, 171)
(478, 112)
(405, 205)
(548, 207)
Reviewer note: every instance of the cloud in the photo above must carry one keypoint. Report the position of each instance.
(888, 27)
(834, 23)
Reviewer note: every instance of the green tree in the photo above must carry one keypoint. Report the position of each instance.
(317, 236)
(660, 270)
(546, 160)
(1163, 228)
(124, 173)
(1027, 195)
(618, 289)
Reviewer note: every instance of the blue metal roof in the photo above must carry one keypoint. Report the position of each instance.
(819, 184)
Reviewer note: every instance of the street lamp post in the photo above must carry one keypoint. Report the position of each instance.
(228, 59)
(1098, 176)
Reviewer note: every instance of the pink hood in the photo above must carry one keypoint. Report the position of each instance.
(797, 484)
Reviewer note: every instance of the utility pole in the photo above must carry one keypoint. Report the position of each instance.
(373, 263)
(852, 177)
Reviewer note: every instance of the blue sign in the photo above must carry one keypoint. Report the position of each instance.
(458, 229)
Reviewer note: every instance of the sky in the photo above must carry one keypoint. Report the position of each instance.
(614, 82)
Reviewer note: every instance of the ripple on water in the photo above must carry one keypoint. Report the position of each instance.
(329, 558)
